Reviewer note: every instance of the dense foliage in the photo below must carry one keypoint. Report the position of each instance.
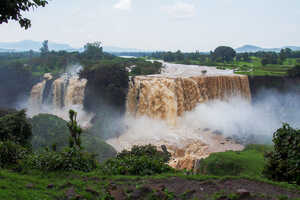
(47, 130)
(15, 127)
(13, 10)
(141, 67)
(224, 54)
(16, 83)
(67, 160)
(141, 160)
(11, 153)
(283, 162)
(107, 84)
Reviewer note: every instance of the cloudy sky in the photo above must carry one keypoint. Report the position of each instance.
(188, 25)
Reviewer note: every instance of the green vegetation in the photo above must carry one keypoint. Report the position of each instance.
(75, 131)
(16, 128)
(283, 162)
(223, 54)
(73, 173)
(249, 162)
(253, 64)
(103, 90)
(141, 160)
(11, 153)
(69, 159)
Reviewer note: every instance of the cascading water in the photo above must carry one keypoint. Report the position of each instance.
(167, 97)
(59, 95)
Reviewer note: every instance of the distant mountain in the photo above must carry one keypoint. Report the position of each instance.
(252, 48)
(248, 48)
(27, 45)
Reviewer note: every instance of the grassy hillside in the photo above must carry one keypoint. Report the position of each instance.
(249, 162)
(77, 185)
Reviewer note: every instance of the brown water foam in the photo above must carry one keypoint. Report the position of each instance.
(167, 98)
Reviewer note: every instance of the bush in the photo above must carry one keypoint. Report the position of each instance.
(49, 129)
(141, 160)
(283, 164)
(11, 153)
(68, 160)
(15, 127)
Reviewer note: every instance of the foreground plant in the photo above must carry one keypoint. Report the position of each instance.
(284, 162)
(140, 160)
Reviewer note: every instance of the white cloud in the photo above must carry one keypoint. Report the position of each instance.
(180, 10)
(123, 4)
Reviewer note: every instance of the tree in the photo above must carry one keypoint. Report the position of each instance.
(12, 10)
(224, 53)
(16, 128)
(75, 130)
(44, 49)
(283, 162)
(107, 85)
(93, 51)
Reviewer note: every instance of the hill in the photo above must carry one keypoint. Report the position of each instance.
(27, 45)
(252, 48)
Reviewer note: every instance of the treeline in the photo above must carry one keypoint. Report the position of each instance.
(225, 54)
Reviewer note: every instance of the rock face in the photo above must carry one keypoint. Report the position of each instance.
(167, 98)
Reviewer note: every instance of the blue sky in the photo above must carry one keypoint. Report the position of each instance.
(188, 25)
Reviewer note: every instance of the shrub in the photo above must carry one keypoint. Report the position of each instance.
(15, 127)
(47, 130)
(141, 160)
(283, 164)
(68, 160)
(11, 153)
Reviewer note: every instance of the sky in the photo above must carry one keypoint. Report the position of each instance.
(188, 25)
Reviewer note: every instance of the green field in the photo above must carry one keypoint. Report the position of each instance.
(254, 67)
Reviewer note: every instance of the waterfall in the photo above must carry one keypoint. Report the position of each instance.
(169, 97)
(161, 111)
(37, 97)
(59, 95)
